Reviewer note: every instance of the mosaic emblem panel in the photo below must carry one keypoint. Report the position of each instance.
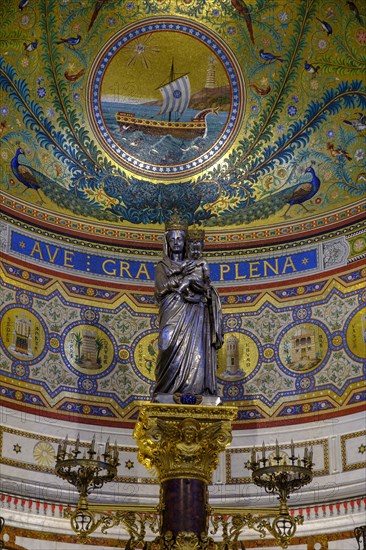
(67, 352)
(151, 91)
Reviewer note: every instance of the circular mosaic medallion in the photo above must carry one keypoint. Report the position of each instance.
(268, 352)
(145, 355)
(166, 98)
(22, 334)
(305, 383)
(238, 357)
(233, 391)
(20, 370)
(303, 347)
(88, 349)
(87, 385)
(356, 334)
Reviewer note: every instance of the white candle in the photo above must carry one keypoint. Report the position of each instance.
(254, 456)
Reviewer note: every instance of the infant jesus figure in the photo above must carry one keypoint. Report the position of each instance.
(195, 268)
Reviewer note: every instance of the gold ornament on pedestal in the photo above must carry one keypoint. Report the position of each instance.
(176, 445)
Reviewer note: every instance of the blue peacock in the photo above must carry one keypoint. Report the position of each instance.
(297, 194)
(33, 179)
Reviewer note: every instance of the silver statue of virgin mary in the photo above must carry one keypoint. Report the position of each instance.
(190, 318)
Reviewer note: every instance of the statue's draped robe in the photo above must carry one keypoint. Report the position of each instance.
(190, 333)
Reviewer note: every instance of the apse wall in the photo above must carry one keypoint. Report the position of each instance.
(83, 347)
(48, 393)
(273, 170)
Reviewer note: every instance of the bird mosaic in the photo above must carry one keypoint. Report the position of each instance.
(29, 177)
(304, 191)
(33, 179)
(280, 203)
(71, 41)
(259, 90)
(358, 122)
(30, 46)
(303, 113)
(269, 57)
(338, 152)
(243, 11)
(73, 77)
(354, 9)
(98, 6)
(325, 26)
(23, 4)
(310, 68)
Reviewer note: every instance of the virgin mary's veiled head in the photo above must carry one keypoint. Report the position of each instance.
(175, 242)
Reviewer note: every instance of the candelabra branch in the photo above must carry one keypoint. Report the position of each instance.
(84, 522)
(283, 528)
(232, 526)
(135, 524)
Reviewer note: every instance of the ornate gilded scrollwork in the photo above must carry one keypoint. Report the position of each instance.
(283, 528)
(231, 527)
(183, 541)
(84, 522)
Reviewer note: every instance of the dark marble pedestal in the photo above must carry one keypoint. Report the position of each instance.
(184, 506)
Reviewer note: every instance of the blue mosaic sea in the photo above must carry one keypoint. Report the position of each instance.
(160, 150)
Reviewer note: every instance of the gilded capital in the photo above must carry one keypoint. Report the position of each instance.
(178, 441)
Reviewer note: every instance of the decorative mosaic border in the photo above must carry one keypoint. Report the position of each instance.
(348, 437)
(85, 400)
(135, 238)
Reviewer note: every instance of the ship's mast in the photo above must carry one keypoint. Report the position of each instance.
(174, 95)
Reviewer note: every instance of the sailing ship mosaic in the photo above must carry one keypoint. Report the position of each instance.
(245, 117)
(234, 115)
(149, 109)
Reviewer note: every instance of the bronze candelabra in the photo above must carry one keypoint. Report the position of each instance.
(86, 473)
(282, 474)
(277, 472)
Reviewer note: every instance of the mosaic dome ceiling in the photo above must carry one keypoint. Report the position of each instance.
(245, 118)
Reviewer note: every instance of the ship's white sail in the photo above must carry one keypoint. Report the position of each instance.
(176, 95)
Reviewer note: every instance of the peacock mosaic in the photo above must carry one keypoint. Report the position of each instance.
(229, 112)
